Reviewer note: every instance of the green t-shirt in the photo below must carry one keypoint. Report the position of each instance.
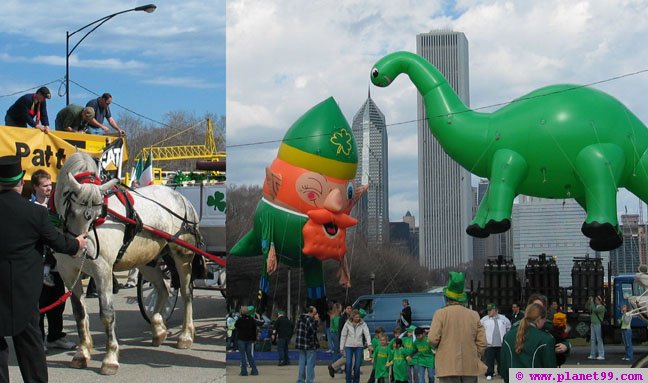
(375, 342)
(408, 346)
(335, 324)
(424, 355)
(381, 356)
(400, 367)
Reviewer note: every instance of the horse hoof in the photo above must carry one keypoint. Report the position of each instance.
(79, 363)
(159, 338)
(109, 369)
(184, 344)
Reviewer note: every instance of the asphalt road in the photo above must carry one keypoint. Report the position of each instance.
(139, 360)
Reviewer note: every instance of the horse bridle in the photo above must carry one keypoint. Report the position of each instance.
(85, 178)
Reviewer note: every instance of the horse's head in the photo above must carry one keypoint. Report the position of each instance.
(83, 203)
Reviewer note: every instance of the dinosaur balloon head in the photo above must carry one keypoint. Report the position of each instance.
(313, 175)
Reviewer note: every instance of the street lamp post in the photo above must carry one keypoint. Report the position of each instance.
(373, 278)
(149, 8)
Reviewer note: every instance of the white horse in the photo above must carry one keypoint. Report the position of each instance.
(80, 201)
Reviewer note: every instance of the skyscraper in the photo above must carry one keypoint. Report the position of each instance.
(445, 193)
(626, 259)
(372, 210)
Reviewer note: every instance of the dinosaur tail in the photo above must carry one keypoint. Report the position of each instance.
(248, 246)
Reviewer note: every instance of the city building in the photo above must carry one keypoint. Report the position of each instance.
(404, 235)
(445, 192)
(626, 259)
(494, 244)
(372, 210)
(553, 227)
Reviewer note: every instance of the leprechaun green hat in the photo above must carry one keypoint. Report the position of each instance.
(455, 288)
(321, 141)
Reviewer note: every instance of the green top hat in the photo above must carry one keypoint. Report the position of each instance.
(322, 141)
(251, 311)
(455, 288)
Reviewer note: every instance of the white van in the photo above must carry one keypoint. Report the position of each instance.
(384, 309)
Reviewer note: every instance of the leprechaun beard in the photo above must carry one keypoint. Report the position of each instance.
(325, 234)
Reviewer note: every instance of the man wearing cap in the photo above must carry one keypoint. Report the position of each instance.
(30, 110)
(101, 106)
(74, 118)
(25, 228)
(282, 332)
(458, 336)
(495, 326)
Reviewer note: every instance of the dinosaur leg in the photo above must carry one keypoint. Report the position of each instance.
(600, 168)
(637, 183)
(478, 224)
(508, 170)
(314, 278)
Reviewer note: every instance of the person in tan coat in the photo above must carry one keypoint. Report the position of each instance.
(458, 336)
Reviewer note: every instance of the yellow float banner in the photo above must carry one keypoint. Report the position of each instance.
(48, 151)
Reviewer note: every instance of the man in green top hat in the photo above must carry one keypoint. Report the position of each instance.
(458, 336)
(308, 194)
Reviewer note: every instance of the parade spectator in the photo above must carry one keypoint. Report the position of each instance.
(307, 344)
(375, 342)
(332, 312)
(423, 357)
(101, 106)
(563, 346)
(335, 331)
(396, 333)
(381, 355)
(398, 362)
(458, 336)
(352, 344)
(626, 332)
(30, 110)
(53, 286)
(495, 326)
(559, 333)
(408, 345)
(526, 345)
(553, 309)
(597, 311)
(282, 332)
(26, 228)
(74, 118)
(247, 333)
(336, 367)
(231, 331)
(516, 313)
(405, 319)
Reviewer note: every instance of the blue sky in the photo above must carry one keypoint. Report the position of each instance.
(285, 56)
(170, 60)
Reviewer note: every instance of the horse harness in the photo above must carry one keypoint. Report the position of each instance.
(132, 221)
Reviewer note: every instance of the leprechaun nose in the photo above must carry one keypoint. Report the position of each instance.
(334, 201)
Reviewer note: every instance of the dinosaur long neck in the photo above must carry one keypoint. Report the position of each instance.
(458, 129)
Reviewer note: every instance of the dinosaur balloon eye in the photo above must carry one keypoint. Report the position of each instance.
(374, 73)
(350, 190)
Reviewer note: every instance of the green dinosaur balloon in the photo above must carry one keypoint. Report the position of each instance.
(560, 141)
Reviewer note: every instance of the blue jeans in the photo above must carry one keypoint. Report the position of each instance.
(282, 350)
(245, 348)
(626, 335)
(420, 370)
(351, 353)
(334, 344)
(596, 340)
(306, 366)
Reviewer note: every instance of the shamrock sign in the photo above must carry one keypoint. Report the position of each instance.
(217, 201)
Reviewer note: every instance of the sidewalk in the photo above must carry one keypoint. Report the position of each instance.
(269, 372)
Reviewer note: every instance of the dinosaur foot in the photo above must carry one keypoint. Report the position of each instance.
(496, 227)
(606, 243)
(474, 230)
(596, 230)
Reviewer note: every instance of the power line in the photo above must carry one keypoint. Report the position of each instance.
(30, 89)
(255, 143)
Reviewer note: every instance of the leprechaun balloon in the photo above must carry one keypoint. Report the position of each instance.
(308, 194)
(560, 141)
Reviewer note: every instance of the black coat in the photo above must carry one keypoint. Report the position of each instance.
(25, 228)
(20, 111)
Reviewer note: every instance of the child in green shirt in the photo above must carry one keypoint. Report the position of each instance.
(408, 345)
(396, 333)
(423, 357)
(381, 356)
(375, 342)
(398, 362)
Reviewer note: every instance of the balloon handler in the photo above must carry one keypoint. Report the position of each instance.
(308, 193)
